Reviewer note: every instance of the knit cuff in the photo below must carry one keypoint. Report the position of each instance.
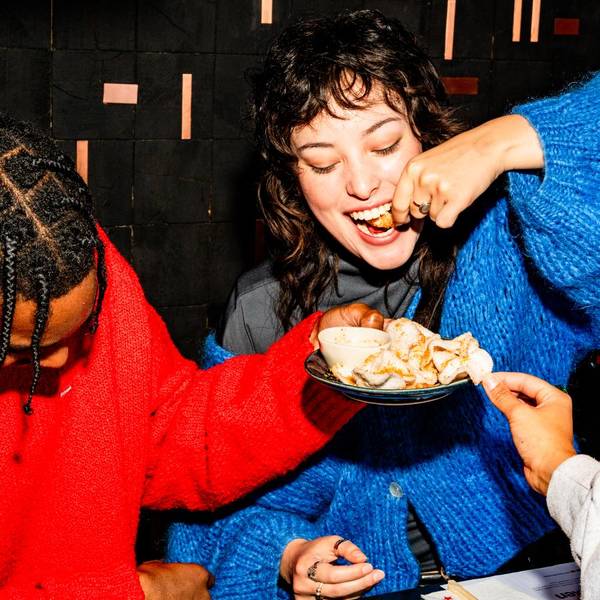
(258, 557)
(569, 487)
(326, 409)
(567, 129)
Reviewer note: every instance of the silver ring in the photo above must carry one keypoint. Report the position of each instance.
(311, 572)
(424, 208)
(319, 590)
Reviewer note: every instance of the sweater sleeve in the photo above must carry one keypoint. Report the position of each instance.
(574, 502)
(243, 549)
(559, 208)
(217, 434)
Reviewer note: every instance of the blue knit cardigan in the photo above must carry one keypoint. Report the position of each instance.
(527, 284)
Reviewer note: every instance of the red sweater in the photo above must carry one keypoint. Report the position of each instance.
(129, 423)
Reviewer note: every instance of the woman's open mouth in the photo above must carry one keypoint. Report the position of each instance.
(376, 222)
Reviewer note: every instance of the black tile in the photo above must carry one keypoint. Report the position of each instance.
(525, 49)
(188, 326)
(583, 50)
(239, 27)
(25, 85)
(231, 94)
(236, 172)
(472, 109)
(473, 29)
(176, 25)
(158, 113)
(25, 24)
(121, 238)
(110, 170)
(172, 181)
(313, 8)
(77, 92)
(99, 25)
(172, 262)
(514, 82)
(229, 257)
(413, 14)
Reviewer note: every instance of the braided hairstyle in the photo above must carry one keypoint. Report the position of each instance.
(48, 237)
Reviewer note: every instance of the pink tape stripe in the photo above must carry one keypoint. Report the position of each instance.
(81, 159)
(535, 20)
(186, 106)
(120, 93)
(266, 12)
(450, 19)
(517, 13)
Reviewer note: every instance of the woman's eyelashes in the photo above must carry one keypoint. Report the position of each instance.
(378, 151)
(388, 149)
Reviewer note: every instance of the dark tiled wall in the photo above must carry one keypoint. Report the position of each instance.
(182, 211)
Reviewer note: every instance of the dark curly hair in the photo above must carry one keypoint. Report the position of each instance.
(311, 64)
(48, 237)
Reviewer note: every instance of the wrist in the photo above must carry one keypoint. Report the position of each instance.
(516, 143)
(558, 458)
(289, 558)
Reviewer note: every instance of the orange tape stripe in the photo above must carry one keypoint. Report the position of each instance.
(450, 19)
(517, 13)
(120, 93)
(536, 8)
(186, 106)
(266, 11)
(81, 159)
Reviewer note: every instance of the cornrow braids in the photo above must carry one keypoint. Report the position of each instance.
(41, 318)
(48, 236)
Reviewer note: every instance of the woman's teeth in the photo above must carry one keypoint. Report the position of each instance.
(373, 213)
(375, 222)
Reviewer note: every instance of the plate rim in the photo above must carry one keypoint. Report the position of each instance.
(379, 395)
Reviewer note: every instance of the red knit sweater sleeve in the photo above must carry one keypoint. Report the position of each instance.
(218, 434)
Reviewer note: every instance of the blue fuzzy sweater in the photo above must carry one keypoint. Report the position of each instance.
(527, 284)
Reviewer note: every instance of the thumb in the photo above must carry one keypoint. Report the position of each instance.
(500, 394)
(372, 318)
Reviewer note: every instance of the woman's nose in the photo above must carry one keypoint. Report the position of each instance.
(362, 181)
(56, 358)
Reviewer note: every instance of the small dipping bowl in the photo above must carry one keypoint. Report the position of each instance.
(348, 347)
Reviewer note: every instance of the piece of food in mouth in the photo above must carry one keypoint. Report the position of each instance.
(374, 221)
(384, 221)
(419, 358)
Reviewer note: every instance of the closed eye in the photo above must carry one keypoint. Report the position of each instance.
(388, 150)
(323, 170)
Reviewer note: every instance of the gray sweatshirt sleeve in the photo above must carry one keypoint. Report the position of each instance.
(574, 502)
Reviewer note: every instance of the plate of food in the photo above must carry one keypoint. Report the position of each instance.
(404, 365)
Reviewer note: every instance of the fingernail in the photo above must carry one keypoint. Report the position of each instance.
(367, 569)
(490, 381)
(378, 576)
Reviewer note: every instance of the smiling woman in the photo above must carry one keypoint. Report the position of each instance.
(351, 120)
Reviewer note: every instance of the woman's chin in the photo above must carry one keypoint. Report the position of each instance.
(396, 253)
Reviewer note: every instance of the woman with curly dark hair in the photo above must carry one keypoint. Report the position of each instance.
(351, 122)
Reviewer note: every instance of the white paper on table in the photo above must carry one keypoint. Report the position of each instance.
(559, 582)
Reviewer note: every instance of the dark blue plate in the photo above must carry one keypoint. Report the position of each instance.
(317, 368)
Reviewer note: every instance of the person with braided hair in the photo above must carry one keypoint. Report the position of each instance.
(101, 415)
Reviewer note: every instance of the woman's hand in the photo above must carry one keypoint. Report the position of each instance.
(305, 565)
(540, 420)
(445, 180)
(177, 581)
(348, 315)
